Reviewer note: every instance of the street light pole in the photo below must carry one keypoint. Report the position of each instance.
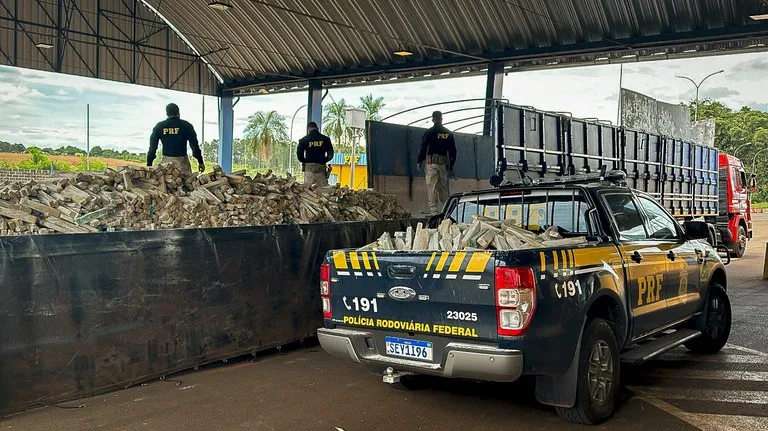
(696, 107)
(736, 151)
(290, 138)
(754, 159)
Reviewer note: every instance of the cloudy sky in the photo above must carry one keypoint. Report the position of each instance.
(49, 110)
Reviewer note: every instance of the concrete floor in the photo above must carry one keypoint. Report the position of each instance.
(308, 390)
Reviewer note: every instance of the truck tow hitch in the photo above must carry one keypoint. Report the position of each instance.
(391, 376)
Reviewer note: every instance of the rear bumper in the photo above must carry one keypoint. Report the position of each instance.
(460, 360)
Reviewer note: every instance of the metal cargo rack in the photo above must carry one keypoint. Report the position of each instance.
(534, 144)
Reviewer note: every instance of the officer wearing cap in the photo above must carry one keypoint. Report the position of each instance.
(314, 151)
(438, 152)
(174, 134)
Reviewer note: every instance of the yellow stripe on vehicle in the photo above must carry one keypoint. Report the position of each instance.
(592, 256)
(543, 261)
(682, 299)
(650, 308)
(375, 261)
(566, 264)
(353, 260)
(554, 256)
(573, 259)
(478, 261)
(366, 262)
(457, 261)
(340, 260)
(441, 262)
(431, 259)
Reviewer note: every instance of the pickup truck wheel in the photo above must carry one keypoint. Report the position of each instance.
(740, 246)
(598, 379)
(717, 323)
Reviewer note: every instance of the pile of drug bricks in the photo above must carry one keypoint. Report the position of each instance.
(482, 234)
(161, 197)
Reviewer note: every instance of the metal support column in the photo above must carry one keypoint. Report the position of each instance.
(226, 131)
(315, 103)
(493, 90)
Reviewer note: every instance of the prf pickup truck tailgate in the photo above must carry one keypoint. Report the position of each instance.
(446, 294)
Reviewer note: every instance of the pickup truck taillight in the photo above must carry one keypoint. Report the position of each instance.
(325, 289)
(515, 300)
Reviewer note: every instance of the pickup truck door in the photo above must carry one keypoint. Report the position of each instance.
(681, 280)
(645, 262)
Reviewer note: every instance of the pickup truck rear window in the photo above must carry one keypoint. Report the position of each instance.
(532, 209)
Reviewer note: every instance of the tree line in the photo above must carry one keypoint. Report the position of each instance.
(744, 134)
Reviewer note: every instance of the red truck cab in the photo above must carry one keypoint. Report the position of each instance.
(735, 210)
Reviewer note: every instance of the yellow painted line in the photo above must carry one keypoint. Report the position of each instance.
(431, 259)
(366, 262)
(650, 308)
(441, 262)
(594, 256)
(458, 259)
(353, 260)
(478, 261)
(340, 260)
(573, 258)
(375, 261)
(543, 261)
(566, 264)
(682, 299)
(554, 256)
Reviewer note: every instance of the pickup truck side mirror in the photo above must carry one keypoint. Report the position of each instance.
(696, 230)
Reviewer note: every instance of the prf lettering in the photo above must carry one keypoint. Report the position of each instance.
(443, 135)
(171, 131)
(315, 144)
(649, 288)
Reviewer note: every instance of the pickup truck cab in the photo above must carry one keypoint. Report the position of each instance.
(569, 315)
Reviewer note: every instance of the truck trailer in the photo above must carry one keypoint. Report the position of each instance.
(690, 180)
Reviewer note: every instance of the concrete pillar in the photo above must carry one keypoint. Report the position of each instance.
(493, 89)
(226, 132)
(315, 102)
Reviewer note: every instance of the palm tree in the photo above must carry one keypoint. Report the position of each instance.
(372, 106)
(264, 131)
(334, 122)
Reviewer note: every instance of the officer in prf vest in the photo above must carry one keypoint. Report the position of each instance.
(438, 150)
(314, 151)
(174, 134)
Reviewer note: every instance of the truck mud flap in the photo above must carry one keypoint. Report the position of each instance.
(560, 391)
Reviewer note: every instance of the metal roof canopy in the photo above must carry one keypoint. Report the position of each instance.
(279, 45)
(117, 40)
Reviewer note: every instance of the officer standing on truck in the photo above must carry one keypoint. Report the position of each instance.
(314, 151)
(438, 151)
(175, 133)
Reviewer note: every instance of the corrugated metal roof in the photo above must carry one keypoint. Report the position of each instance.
(280, 44)
(118, 40)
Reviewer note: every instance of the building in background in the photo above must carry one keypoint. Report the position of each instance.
(342, 168)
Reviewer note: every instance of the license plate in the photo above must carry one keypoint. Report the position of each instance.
(413, 349)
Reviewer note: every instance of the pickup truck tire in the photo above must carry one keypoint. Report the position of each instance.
(598, 376)
(716, 324)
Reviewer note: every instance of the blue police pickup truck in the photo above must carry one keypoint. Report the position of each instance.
(641, 285)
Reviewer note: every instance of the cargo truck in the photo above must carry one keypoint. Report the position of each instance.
(689, 180)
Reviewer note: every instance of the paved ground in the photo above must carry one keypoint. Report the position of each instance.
(309, 390)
